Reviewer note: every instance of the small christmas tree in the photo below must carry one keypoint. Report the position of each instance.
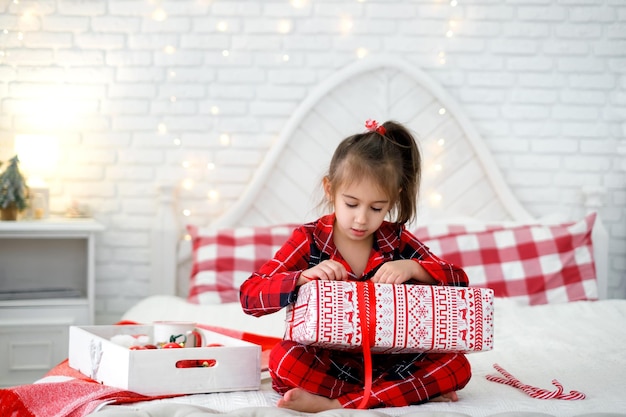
(13, 188)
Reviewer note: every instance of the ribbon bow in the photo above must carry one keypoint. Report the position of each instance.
(539, 393)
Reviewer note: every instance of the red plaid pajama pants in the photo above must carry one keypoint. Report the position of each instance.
(397, 379)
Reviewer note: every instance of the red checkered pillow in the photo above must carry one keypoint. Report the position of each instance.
(534, 263)
(222, 259)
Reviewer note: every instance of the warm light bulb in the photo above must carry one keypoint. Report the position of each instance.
(346, 25)
(186, 212)
(298, 4)
(284, 26)
(361, 53)
(187, 184)
(214, 195)
(225, 139)
(435, 199)
(159, 15)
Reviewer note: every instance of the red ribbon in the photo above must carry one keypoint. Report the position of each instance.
(366, 300)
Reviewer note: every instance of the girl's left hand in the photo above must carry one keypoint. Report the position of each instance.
(399, 272)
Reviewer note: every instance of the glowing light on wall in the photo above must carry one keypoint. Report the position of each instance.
(213, 195)
(435, 199)
(38, 155)
(28, 15)
(224, 139)
(159, 15)
(298, 4)
(284, 26)
(222, 26)
(169, 49)
(451, 29)
(187, 184)
(361, 53)
(215, 110)
(346, 25)
(225, 53)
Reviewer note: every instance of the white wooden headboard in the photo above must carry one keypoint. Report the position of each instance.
(460, 178)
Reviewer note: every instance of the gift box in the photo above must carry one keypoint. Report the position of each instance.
(235, 365)
(399, 318)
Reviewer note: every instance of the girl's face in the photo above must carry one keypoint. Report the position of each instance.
(360, 209)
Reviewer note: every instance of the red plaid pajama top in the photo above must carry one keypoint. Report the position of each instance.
(398, 379)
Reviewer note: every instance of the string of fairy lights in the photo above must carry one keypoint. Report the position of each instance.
(207, 170)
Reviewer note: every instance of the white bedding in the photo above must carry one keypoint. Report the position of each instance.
(536, 344)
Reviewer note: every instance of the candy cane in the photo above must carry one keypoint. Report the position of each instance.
(539, 393)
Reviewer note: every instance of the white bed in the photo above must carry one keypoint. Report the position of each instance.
(579, 343)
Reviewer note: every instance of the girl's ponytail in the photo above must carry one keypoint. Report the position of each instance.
(411, 169)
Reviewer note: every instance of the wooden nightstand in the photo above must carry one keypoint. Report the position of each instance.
(46, 285)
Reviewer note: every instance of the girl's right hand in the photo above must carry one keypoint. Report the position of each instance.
(327, 270)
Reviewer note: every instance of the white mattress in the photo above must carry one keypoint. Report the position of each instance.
(581, 344)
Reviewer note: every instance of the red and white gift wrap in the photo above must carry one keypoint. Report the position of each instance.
(399, 318)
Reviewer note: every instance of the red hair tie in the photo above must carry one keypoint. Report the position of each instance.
(373, 126)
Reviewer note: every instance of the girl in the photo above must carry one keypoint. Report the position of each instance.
(371, 175)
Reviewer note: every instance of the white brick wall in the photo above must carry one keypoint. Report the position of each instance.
(544, 82)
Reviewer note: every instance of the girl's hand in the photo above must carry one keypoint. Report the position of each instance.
(327, 270)
(399, 272)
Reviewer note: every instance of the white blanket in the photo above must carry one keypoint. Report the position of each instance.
(581, 344)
